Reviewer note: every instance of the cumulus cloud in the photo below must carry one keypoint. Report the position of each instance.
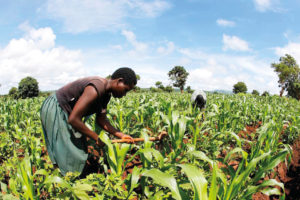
(148, 9)
(265, 5)
(170, 47)
(234, 43)
(292, 48)
(222, 71)
(36, 55)
(89, 15)
(225, 23)
(131, 38)
(262, 5)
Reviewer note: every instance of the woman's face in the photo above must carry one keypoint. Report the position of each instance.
(120, 88)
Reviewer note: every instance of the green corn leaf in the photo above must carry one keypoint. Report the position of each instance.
(82, 195)
(165, 180)
(271, 163)
(253, 189)
(238, 181)
(135, 176)
(197, 180)
(57, 180)
(83, 187)
(236, 150)
(237, 138)
(271, 191)
(200, 155)
(213, 187)
(121, 151)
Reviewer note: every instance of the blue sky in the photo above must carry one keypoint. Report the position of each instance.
(219, 42)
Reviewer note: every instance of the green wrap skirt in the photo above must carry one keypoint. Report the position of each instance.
(66, 147)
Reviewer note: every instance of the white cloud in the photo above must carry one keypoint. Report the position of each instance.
(234, 43)
(226, 23)
(139, 47)
(265, 5)
(170, 47)
(222, 71)
(262, 5)
(292, 48)
(36, 55)
(149, 9)
(90, 15)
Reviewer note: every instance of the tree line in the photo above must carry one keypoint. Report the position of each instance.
(287, 69)
(288, 72)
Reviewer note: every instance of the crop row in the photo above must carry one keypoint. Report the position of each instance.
(195, 161)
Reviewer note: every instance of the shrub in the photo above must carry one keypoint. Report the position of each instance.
(265, 93)
(13, 92)
(239, 87)
(255, 92)
(28, 87)
(168, 88)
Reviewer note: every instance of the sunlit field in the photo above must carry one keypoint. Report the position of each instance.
(221, 152)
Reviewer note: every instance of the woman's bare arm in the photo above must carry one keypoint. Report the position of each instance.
(81, 107)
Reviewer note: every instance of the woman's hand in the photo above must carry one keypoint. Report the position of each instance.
(127, 137)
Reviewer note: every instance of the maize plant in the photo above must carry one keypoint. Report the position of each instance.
(222, 152)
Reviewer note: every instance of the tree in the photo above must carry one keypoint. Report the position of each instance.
(189, 89)
(255, 92)
(159, 85)
(169, 88)
(28, 87)
(136, 88)
(179, 76)
(239, 87)
(294, 90)
(138, 77)
(265, 93)
(13, 92)
(288, 72)
(154, 89)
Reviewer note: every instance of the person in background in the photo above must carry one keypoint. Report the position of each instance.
(62, 115)
(198, 99)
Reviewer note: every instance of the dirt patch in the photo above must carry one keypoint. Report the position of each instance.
(289, 176)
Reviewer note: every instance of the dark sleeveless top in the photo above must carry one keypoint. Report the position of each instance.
(68, 95)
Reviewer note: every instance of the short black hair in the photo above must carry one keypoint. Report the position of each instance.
(127, 74)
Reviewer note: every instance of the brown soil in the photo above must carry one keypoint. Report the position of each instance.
(288, 175)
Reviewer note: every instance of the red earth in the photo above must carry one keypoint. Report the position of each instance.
(288, 175)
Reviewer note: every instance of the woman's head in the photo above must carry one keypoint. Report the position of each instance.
(122, 81)
(127, 74)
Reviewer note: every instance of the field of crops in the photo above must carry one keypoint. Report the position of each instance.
(209, 154)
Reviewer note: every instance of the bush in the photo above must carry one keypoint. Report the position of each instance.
(189, 89)
(255, 92)
(28, 87)
(13, 92)
(239, 87)
(265, 93)
(168, 88)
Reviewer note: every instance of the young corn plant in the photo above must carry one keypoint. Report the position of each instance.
(176, 127)
(196, 179)
(115, 154)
